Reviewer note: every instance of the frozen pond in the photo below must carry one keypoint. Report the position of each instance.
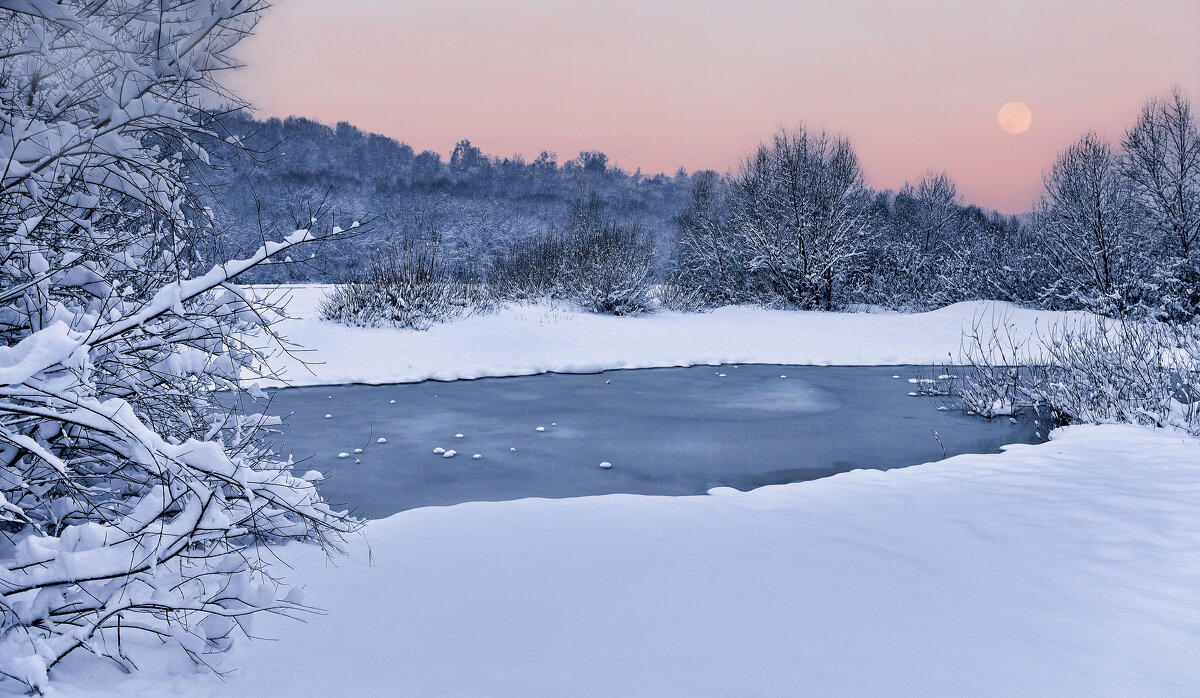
(672, 431)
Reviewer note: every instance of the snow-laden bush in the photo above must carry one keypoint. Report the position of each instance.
(407, 285)
(598, 264)
(132, 502)
(529, 269)
(1125, 370)
(608, 269)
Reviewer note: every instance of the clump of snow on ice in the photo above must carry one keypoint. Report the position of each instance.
(381, 440)
(391, 402)
(358, 450)
(1001, 408)
(783, 376)
(553, 424)
(606, 465)
(477, 456)
(328, 416)
(913, 394)
(513, 450)
(895, 376)
(439, 450)
(343, 454)
(540, 429)
(722, 375)
(450, 454)
(458, 436)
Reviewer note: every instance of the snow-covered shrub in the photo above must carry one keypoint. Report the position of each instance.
(1124, 370)
(683, 297)
(607, 268)
(132, 502)
(407, 285)
(529, 269)
(599, 264)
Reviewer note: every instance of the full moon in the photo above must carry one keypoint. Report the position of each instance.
(1014, 118)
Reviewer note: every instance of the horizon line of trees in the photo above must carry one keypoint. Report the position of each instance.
(483, 204)
(1116, 229)
(795, 224)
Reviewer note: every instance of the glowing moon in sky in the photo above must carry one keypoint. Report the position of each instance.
(1014, 118)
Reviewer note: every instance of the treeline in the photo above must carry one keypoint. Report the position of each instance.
(1115, 230)
(284, 172)
(794, 225)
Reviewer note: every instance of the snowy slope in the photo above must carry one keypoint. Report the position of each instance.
(528, 339)
(1066, 568)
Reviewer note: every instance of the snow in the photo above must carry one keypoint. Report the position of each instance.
(526, 339)
(1070, 567)
(36, 353)
(606, 465)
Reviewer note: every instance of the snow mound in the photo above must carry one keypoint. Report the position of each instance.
(1063, 568)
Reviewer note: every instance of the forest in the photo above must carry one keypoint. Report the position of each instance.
(795, 225)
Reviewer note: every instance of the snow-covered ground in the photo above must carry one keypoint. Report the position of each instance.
(540, 337)
(1066, 568)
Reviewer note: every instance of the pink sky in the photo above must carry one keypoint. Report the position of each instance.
(662, 83)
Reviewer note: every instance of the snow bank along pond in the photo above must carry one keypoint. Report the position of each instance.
(667, 431)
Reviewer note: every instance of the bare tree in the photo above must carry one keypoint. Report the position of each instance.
(935, 204)
(132, 500)
(1085, 220)
(800, 206)
(1162, 161)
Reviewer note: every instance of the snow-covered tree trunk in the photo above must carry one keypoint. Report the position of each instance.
(132, 500)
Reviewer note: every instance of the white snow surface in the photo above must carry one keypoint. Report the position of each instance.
(525, 339)
(1066, 568)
